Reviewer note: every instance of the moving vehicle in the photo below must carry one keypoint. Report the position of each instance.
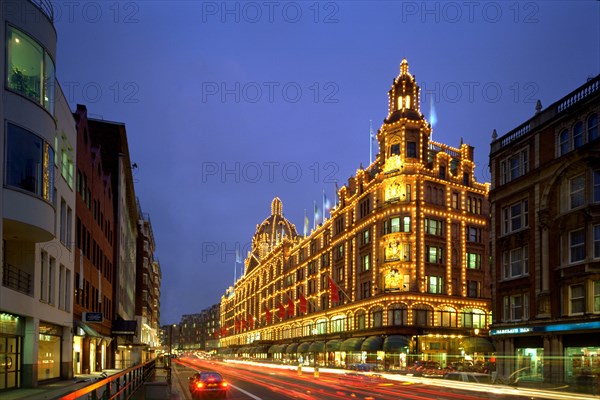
(473, 377)
(204, 384)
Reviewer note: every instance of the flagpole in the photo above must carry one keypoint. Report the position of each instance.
(339, 288)
(370, 142)
(323, 205)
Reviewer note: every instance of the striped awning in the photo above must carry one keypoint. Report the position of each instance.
(291, 348)
(351, 345)
(477, 345)
(317, 347)
(303, 347)
(276, 348)
(333, 345)
(372, 343)
(396, 344)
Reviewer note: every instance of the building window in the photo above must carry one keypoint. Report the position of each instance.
(596, 288)
(435, 284)
(434, 227)
(576, 246)
(597, 186)
(596, 241)
(30, 70)
(365, 289)
(435, 255)
(365, 263)
(474, 289)
(577, 299)
(442, 172)
(360, 320)
(515, 166)
(29, 163)
(473, 318)
(422, 315)
(516, 307)
(578, 135)
(447, 317)
(377, 318)
(563, 142)
(398, 315)
(364, 237)
(340, 252)
(515, 263)
(473, 261)
(515, 216)
(396, 224)
(576, 191)
(395, 149)
(473, 234)
(411, 149)
(455, 200)
(592, 127)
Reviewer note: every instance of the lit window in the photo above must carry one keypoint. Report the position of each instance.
(516, 307)
(435, 284)
(473, 318)
(433, 227)
(455, 200)
(473, 261)
(366, 265)
(576, 246)
(576, 191)
(577, 299)
(435, 255)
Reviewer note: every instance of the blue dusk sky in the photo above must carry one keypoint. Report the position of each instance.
(229, 104)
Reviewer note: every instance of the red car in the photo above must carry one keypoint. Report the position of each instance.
(203, 384)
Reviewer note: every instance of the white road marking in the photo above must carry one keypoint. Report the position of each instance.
(245, 392)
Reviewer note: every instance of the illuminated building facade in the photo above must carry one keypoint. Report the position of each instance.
(398, 273)
(37, 201)
(545, 231)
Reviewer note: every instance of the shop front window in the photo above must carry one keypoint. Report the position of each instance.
(48, 357)
(530, 364)
(583, 364)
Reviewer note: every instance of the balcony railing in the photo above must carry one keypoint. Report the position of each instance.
(46, 7)
(17, 279)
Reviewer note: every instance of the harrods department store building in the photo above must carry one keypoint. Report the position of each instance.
(400, 271)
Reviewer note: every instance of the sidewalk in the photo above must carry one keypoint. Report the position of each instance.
(153, 389)
(56, 389)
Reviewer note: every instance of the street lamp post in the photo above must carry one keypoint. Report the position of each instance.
(170, 353)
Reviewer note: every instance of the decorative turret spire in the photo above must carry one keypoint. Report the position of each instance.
(404, 95)
(276, 206)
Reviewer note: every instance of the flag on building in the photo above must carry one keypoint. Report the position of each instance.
(281, 311)
(244, 325)
(238, 257)
(303, 304)
(237, 325)
(305, 224)
(316, 216)
(291, 309)
(326, 205)
(334, 294)
(250, 321)
(268, 315)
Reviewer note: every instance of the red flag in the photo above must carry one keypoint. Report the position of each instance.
(237, 325)
(333, 291)
(303, 304)
(281, 311)
(291, 309)
(250, 321)
(243, 323)
(268, 315)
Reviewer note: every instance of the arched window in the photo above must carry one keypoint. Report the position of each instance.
(422, 315)
(307, 329)
(473, 318)
(407, 102)
(399, 105)
(338, 323)
(447, 317)
(397, 315)
(360, 320)
(321, 326)
(578, 135)
(592, 127)
(377, 317)
(563, 142)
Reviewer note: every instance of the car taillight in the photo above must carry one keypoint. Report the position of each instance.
(199, 384)
(224, 384)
